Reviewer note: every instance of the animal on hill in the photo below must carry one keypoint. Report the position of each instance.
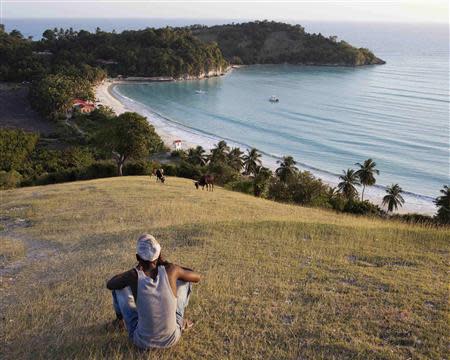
(205, 180)
(159, 173)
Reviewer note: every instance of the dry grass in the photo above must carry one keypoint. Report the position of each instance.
(278, 282)
(10, 250)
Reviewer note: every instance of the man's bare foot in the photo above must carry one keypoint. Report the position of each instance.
(116, 325)
(187, 324)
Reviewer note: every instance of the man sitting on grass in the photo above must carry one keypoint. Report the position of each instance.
(161, 291)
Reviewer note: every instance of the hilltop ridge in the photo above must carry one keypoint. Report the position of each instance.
(275, 42)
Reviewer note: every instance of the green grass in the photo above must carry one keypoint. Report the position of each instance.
(279, 281)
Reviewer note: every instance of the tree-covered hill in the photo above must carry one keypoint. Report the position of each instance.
(275, 42)
(149, 52)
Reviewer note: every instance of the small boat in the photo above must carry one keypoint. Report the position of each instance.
(274, 99)
(199, 91)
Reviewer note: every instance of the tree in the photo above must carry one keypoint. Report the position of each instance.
(219, 152)
(53, 95)
(15, 147)
(393, 198)
(235, 159)
(252, 162)
(347, 185)
(128, 136)
(196, 156)
(261, 178)
(366, 174)
(443, 204)
(287, 168)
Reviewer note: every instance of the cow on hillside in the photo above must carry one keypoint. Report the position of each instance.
(159, 173)
(205, 180)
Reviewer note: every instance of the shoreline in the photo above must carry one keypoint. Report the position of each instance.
(169, 131)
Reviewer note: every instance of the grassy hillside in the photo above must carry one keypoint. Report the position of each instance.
(279, 281)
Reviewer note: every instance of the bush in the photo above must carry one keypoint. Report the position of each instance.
(100, 169)
(223, 173)
(302, 188)
(9, 179)
(64, 175)
(178, 154)
(187, 170)
(244, 186)
(169, 169)
(139, 167)
(362, 208)
(15, 148)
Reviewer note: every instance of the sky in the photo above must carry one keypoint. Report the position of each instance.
(435, 11)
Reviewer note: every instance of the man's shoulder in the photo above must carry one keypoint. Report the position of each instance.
(171, 268)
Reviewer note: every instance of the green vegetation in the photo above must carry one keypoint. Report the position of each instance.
(263, 42)
(53, 95)
(278, 281)
(25, 161)
(15, 148)
(129, 135)
(393, 198)
(443, 204)
(366, 174)
(149, 52)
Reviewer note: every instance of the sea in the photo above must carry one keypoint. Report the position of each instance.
(327, 118)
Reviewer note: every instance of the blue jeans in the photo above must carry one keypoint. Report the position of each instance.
(125, 307)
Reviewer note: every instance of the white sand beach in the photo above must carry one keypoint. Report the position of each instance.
(170, 132)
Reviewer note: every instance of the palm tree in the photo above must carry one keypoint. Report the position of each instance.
(347, 185)
(443, 204)
(196, 156)
(235, 159)
(393, 199)
(219, 153)
(366, 174)
(251, 161)
(287, 168)
(261, 177)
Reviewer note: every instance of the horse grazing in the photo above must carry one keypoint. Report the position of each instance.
(205, 180)
(159, 173)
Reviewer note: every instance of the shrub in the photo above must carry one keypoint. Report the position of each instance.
(138, 167)
(244, 186)
(362, 208)
(169, 169)
(100, 169)
(187, 170)
(223, 173)
(15, 148)
(9, 179)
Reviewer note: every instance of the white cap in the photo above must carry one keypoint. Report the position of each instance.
(148, 248)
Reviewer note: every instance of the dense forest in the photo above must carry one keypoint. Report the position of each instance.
(272, 42)
(149, 52)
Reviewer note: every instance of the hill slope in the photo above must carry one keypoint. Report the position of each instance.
(263, 42)
(279, 281)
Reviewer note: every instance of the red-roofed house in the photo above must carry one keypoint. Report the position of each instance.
(83, 106)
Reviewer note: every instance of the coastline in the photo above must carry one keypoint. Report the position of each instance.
(169, 132)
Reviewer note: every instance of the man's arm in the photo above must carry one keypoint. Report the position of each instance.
(187, 274)
(120, 281)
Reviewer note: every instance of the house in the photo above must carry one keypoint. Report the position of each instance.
(83, 106)
(177, 144)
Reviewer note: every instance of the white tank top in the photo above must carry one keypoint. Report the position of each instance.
(156, 307)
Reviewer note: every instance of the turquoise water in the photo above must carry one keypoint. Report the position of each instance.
(327, 118)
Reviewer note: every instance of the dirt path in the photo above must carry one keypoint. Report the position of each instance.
(36, 249)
